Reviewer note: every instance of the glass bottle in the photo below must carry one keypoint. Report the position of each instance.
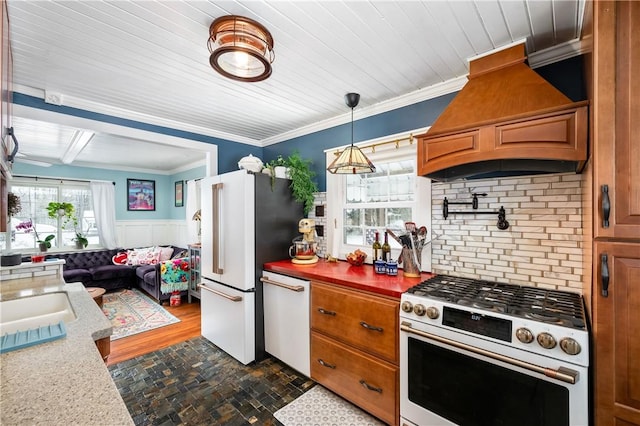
(386, 248)
(376, 248)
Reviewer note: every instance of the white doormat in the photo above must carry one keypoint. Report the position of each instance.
(321, 407)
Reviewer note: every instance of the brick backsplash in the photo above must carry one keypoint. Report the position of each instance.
(320, 200)
(543, 245)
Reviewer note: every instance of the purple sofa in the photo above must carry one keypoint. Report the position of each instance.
(95, 268)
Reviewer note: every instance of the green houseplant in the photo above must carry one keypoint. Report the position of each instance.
(64, 211)
(302, 183)
(279, 161)
(81, 240)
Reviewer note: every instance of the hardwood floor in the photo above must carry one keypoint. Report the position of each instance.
(149, 341)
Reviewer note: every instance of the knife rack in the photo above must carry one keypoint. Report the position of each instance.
(502, 221)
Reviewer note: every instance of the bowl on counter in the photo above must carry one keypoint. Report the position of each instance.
(356, 258)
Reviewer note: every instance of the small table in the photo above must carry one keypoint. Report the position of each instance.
(97, 293)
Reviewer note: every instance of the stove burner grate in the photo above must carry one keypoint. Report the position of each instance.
(539, 304)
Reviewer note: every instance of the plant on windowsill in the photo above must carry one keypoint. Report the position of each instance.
(81, 240)
(28, 226)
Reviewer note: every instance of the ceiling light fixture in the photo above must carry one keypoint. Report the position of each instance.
(241, 48)
(352, 160)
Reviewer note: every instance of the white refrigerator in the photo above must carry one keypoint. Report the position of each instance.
(246, 222)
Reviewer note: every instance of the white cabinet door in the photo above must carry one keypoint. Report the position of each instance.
(228, 320)
(286, 320)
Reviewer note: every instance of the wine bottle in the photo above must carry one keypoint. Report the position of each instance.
(376, 248)
(386, 248)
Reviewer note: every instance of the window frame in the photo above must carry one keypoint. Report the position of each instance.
(60, 185)
(336, 190)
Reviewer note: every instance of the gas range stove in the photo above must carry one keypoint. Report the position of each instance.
(546, 322)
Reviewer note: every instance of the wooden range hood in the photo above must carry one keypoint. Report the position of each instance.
(506, 121)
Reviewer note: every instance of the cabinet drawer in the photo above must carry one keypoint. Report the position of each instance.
(368, 322)
(348, 372)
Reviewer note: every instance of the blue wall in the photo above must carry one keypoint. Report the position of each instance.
(312, 146)
(229, 153)
(165, 184)
(566, 75)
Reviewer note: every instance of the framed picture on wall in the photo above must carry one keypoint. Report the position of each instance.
(141, 194)
(179, 193)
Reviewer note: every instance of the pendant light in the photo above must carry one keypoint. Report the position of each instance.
(352, 160)
(241, 48)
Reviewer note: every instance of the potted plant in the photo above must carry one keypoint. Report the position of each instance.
(81, 240)
(62, 210)
(276, 168)
(13, 204)
(302, 183)
(28, 226)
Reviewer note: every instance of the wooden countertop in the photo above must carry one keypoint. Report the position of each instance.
(342, 273)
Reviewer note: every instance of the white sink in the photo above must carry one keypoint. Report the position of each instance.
(34, 312)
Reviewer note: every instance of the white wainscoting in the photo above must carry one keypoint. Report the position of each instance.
(144, 233)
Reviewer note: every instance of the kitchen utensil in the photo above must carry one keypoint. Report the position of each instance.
(394, 236)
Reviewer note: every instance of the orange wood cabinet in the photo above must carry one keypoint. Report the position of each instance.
(560, 135)
(615, 119)
(354, 347)
(616, 319)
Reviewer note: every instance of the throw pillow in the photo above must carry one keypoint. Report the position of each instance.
(120, 258)
(165, 253)
(143, 256)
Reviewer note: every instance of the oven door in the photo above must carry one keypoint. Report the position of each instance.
(451, 378)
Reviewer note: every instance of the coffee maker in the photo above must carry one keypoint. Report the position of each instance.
(303, 250)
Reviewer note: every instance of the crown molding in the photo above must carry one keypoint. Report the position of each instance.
(98, 108)
(537, 59)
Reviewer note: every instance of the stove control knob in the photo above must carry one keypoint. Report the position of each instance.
(419, 310)
(546, 340)
(432, 312)
(524, 335)
(407, 307)
(570, 346)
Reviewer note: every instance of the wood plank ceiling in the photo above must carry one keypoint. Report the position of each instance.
(148, 60)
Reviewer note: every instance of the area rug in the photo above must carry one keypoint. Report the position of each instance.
(321, 407)
(130, 312)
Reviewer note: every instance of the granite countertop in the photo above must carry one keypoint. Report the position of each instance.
(342, 273)
(64, 381)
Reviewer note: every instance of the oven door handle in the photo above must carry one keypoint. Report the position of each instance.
(564, 374)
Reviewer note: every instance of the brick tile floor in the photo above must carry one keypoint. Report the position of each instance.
(195, 383)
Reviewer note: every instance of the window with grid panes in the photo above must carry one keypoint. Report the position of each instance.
(34, 198)
(364, 204)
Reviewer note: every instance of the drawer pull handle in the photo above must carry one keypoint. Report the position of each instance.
(606, 206)
(604, 274)
(369, 387)
(297, 288)
(371, 327)
(325, 312)
(326, 364)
